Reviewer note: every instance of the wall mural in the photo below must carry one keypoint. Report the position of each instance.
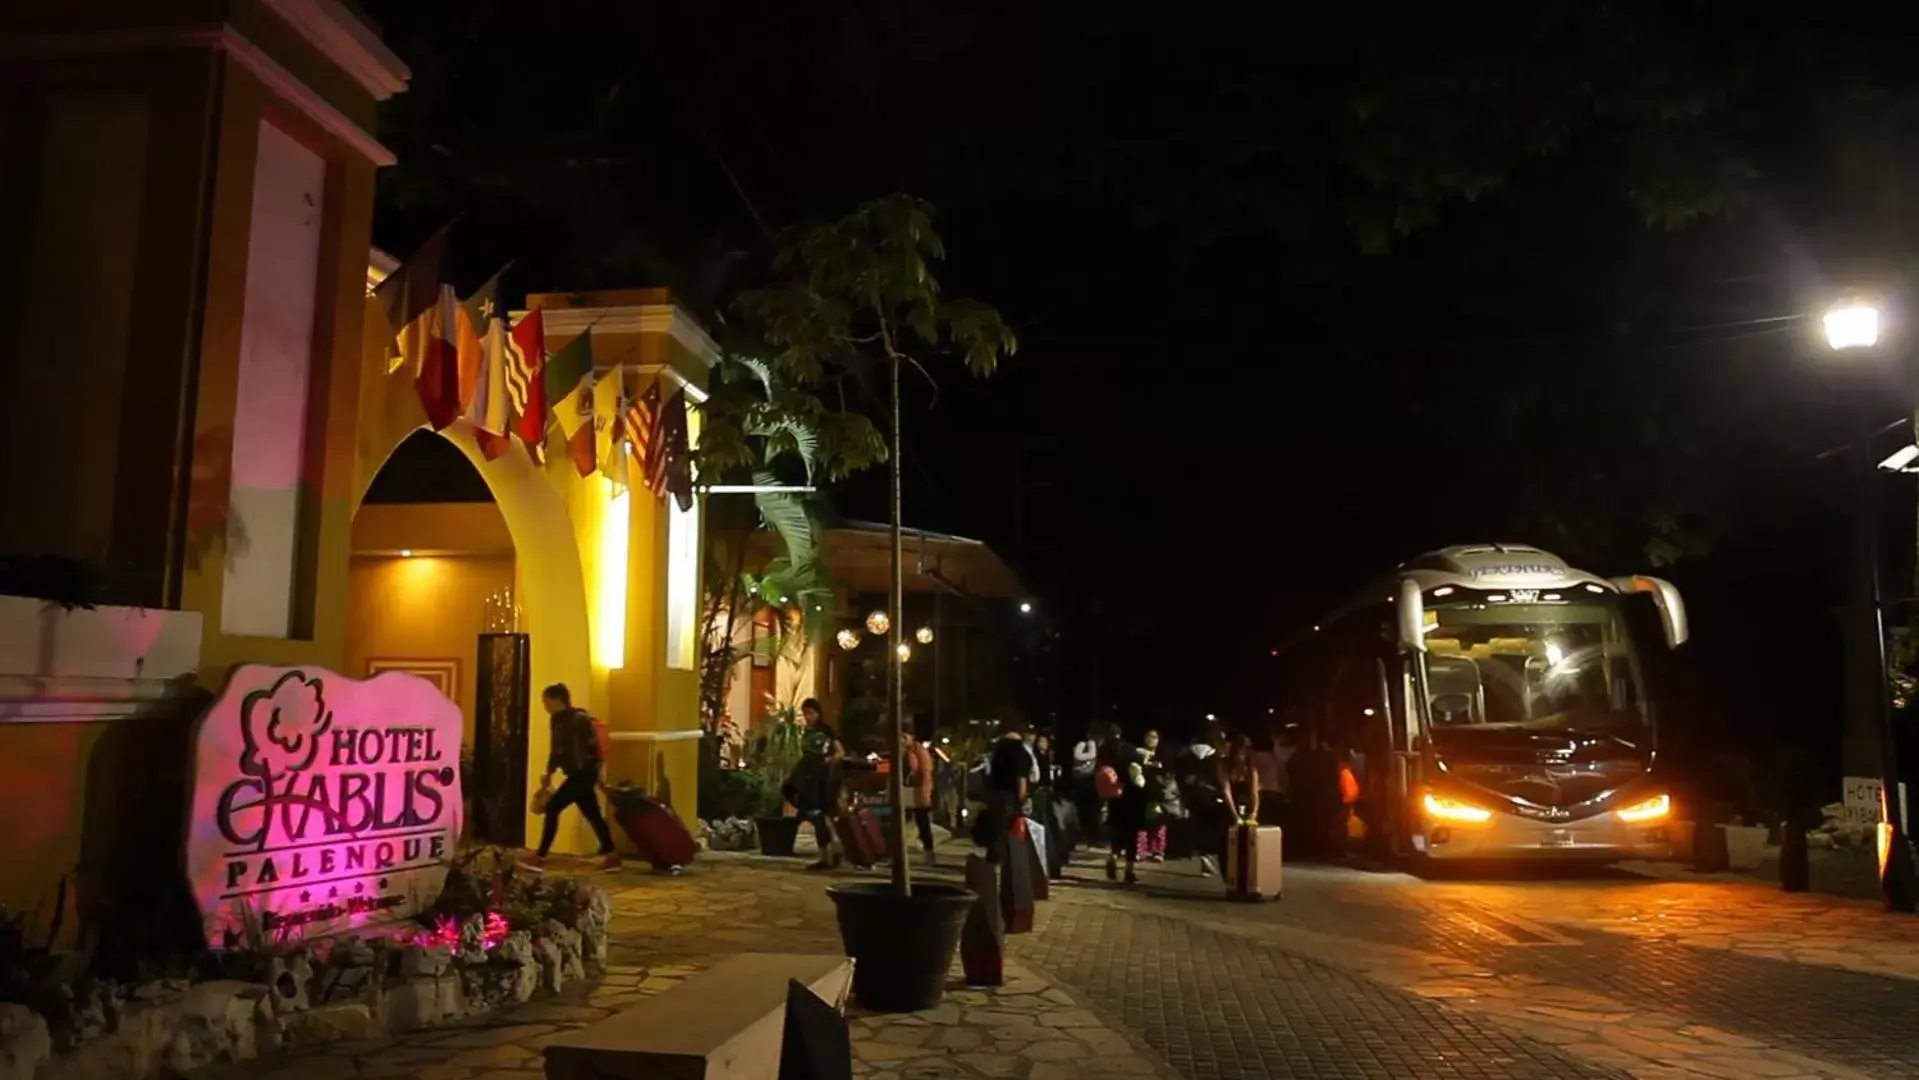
(321, 802)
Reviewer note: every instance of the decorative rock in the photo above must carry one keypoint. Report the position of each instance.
(161, 991)
(25, 1043)
(351, 952)
(414, 1004)
(224, 1015)
(420, 961)
(593, 922)
(517, 948)
(570, 945)
(498, 984)
(330, 1023)
(552, 964)
(290, 978)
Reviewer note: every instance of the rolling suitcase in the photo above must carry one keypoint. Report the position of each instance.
(860, 834)
(659, 834)
(1253, 863)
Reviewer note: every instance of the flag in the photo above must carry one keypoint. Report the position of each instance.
(609, 439)
(414, 288)
(675, 458)
(476, 315)
(491, 409)
(526, 382)
(568, 381)
(642, 422)
(427, 349)
(566, 368)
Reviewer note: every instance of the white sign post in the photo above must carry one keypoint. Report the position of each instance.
(321, 803)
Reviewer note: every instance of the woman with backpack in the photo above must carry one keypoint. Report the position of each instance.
(576, 753)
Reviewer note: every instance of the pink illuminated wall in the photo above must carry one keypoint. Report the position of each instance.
(270, 413)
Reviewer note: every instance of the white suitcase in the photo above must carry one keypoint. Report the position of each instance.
(1253, 862)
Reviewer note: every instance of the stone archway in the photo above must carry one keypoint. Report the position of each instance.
(553, 595)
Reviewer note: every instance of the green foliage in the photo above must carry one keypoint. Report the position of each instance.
(739, 793)
(862, 291)
(775, 747)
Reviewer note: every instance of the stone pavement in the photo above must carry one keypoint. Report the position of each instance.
(1353, 974)
(1655, 978)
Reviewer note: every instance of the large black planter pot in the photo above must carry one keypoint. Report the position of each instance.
(902, 946)
(777, 834)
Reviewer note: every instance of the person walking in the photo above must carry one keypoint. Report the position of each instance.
(576, 754)
(1152, 831)
(1009, 778)
(1126, 814)
(1241, 785)
(916, 790)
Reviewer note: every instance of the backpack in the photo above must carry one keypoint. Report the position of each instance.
(1108, 783)
(602, 739)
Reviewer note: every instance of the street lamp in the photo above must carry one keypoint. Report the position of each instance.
(1853, 325)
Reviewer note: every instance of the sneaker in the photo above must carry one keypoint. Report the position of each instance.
(1207, 866)
(1131, 878)
(535, 864)
(609, 864)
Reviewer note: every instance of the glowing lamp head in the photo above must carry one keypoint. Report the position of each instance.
(905, 652)
(848, 639)
(878, 623)
(1852, 325)
(924, 635)
(1652, 809)
(1025, 607)
(1441, 808)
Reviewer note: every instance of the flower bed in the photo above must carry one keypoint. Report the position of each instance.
(493, 940)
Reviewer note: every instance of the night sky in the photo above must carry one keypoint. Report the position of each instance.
(1299, 294)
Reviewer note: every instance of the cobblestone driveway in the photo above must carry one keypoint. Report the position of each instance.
(1220, 1006)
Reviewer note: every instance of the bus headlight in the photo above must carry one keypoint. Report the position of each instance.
(1441, 808)
(1651, 809)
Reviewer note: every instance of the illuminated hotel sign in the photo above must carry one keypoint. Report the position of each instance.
(322, 802)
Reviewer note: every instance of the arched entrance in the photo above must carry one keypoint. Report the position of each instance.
(434, 569)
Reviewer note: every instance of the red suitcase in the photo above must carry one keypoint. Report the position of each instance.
(660, 835)
(859, 833)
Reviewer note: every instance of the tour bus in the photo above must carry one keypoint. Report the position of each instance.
(1500, 702)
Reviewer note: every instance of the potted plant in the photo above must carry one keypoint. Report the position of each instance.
(861, 297)
(773, 750)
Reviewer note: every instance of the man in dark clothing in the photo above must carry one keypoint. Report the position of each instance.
(1009, 774)
(576, 753)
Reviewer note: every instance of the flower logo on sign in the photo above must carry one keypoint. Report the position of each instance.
(282, 725)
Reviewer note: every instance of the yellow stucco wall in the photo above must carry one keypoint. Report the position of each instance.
(429, 608)
(88, 795)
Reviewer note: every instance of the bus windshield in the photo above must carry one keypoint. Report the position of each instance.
(1538, 666)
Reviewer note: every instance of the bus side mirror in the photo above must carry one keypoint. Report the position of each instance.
(1665, 598)
(1412, 616)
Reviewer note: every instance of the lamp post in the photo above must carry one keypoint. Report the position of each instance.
(1853, 327)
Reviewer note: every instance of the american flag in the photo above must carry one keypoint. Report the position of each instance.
(642, 417)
